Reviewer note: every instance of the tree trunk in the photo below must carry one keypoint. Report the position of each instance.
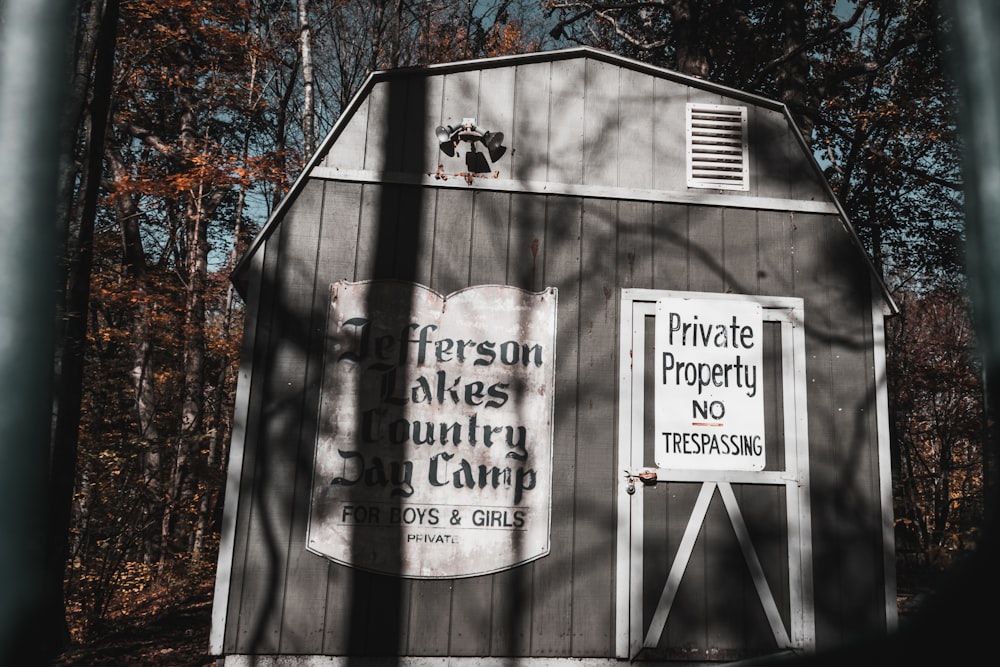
(99, 34)
(192, 402)
(308, 103)
(220, 434)
(134, 259)
(794, 73)
(691, 58)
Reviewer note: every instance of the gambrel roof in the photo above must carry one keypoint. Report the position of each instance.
(579, 122)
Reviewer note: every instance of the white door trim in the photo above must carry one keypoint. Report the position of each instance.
(631, 637)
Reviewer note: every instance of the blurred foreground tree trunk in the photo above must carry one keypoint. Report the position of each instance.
(80, 179)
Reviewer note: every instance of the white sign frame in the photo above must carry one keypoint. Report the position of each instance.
(434, 449)
(709, 399)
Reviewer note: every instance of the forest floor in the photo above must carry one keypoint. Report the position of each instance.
(169, 630)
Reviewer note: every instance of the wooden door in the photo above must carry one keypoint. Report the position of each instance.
(714, 565)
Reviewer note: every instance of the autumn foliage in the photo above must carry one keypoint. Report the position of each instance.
(936, 382)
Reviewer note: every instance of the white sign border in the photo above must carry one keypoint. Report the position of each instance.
(663, 413)
(554, 293)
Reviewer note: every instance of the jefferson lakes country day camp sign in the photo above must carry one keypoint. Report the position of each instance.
(434, 452)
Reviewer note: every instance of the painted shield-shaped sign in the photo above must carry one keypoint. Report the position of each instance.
(434, 451)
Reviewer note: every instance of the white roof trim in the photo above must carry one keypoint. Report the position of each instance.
(488, 183)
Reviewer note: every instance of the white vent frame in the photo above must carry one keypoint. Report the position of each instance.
(718, 155)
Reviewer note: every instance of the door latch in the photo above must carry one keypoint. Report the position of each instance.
(645, 475)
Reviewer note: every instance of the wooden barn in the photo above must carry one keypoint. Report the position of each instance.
(556, 358)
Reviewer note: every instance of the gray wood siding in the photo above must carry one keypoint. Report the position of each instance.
(577, 121)
(285, 599)
(841, 418)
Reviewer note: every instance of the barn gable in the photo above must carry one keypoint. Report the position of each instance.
(574, 121)
(597, 192)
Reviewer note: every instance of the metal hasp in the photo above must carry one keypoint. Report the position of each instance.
(645, 475)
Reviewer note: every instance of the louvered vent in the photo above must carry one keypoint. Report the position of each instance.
(717, 147)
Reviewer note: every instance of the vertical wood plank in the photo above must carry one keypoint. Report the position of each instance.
(706, 261)
(803, 180)
(426, 217)
(495, 112)
(772, 153)
(777, 253)
(740, 251)
(495, 101)
(510, 621)
(670, 247)
(600, 124)
(637, 124)
(490, 232)
(774, 399)
(452, 240)
(407, 248)
(338, 258)
(529, 154)
(635, 246)
(429, 618)
(460, 93)
(367, 238)
(526, 261)
(375, 136)
(552, 609)
(566, 117)
(667, 138)
(391, 256)
(595, 501)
